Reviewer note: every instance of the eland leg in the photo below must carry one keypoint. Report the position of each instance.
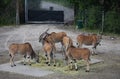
(53, 57)
(88, 66)
(94, 51)
(75, 62)
(49, 59)
(24, 61)
(12, 61)
(46, 57)
(29, 60)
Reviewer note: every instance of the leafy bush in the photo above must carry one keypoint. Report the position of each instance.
(112, 20)
(7, 14)
(94, 18)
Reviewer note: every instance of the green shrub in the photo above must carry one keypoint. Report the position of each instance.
(112, 24)
(7, 14)
(94, 17)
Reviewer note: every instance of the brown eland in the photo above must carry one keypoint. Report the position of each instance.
(90, 39)
(73, 54)
(23, 49)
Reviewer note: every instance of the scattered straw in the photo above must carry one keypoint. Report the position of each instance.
(60, 66)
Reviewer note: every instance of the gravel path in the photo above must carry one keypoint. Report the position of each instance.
(25, 70)
(28, 33)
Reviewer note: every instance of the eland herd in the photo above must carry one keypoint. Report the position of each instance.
(69, 51)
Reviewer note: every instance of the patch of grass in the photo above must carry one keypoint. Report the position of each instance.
(60, 66)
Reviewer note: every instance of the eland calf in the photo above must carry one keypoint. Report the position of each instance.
(91, 39)
(23, 49)
(52, 37)
(74, 54)
(66, 43)
(49, 50)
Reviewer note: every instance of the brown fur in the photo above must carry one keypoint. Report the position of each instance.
(74, 53)
(56, 37)
(49, 50)
(23, 49)
(91, 39)
(66, 42)
(52, 37)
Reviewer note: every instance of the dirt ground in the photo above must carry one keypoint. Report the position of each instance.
(109, 51)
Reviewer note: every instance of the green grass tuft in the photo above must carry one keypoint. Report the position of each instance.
(60, 67)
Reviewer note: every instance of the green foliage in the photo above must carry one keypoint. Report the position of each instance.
(7, 13)
(3, 5)
(90, 11)
(7, 20)
(94, 18)
(112, 22)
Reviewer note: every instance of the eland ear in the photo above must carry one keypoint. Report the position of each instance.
(44, 32)
(47, 30)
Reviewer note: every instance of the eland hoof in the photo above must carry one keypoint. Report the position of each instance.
(54, 65)
(96, 54)
(11, 65)
(24, 64)
(87, 71)
(48, 64)
(76, 69)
